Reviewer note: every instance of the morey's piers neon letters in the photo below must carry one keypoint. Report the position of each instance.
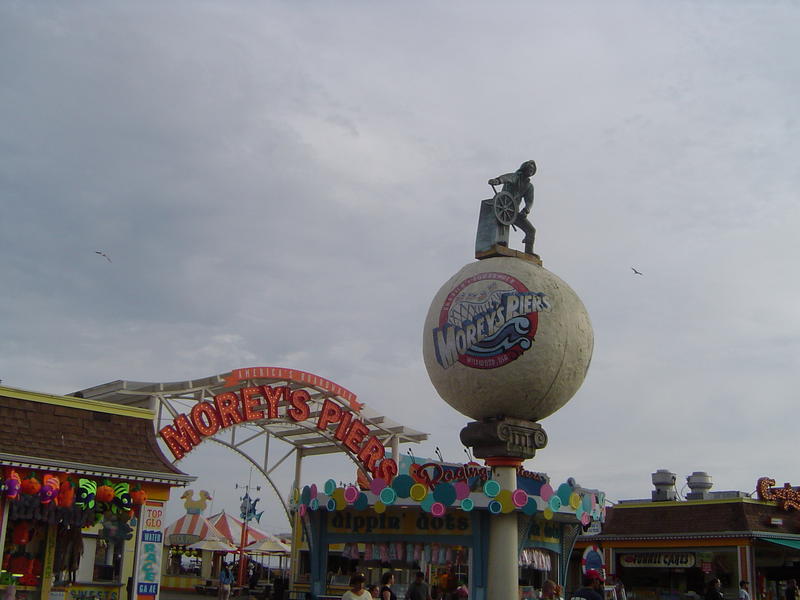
(256, 403)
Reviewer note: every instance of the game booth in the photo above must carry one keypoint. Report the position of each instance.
(435, 517)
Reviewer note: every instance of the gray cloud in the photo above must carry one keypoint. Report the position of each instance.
(291, 184)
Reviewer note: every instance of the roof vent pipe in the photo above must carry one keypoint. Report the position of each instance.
(664, 482)
(700, 483)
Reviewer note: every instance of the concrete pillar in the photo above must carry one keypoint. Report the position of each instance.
(503, 582)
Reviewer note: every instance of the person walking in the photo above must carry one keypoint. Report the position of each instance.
(592, 588)
(744, 593)
(713, 590)
(225, 581)
(357, 590)
(387, 580)
(549, 590)
(418, 590)
(462, 591)
(791, 590)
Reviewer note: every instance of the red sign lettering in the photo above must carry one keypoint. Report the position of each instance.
(263, 402)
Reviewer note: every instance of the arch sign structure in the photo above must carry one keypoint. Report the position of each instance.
(310, 413)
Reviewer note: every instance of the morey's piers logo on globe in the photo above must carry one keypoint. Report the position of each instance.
(505, 336)
(486, 321)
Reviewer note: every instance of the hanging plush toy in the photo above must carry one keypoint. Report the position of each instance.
(66, 494)
(122, 497)
(138, 495)
(21, 534)
(49, 489)
(104, 493)
(30, 486)
(13, 483)
(86, 492)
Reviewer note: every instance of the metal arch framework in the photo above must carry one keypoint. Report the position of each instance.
(175, 398)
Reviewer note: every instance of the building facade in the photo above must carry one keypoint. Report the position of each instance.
(84, 485)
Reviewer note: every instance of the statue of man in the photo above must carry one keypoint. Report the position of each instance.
(519, 186)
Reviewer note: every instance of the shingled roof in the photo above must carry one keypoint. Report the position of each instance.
(41, 431)
(739, 516)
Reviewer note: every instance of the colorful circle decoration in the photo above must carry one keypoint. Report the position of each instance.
(462, 489)
(402, 485)
(564, 492)
(351, 493)
(388, 496)
(504, 498)
(530, 507)
(418, 492)
(491, 488)
(338, 496)
(546, 492)
(362, 502)
(584, 506)
(444, 493)
(376, 485)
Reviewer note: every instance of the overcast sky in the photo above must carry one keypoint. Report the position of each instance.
(290, 183)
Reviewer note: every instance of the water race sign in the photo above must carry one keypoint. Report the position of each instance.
(264, 403)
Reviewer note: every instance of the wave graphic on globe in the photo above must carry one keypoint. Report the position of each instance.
(511, 338)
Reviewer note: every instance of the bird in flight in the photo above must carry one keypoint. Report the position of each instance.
(103, 254)
(637, 272)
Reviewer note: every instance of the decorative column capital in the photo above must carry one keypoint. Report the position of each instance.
(504, 437)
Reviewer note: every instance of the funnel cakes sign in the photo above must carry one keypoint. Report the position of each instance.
(486, 321)
(281, 403)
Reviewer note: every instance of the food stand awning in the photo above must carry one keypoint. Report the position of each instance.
(189, 529)
(270, 545)
(213, 545)
(783, 542)
(231, 529)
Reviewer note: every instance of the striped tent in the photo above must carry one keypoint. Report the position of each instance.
(190, 529)
(231, 529)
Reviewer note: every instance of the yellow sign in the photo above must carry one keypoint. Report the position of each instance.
(88, 592)
(542, 531)
(400, 522)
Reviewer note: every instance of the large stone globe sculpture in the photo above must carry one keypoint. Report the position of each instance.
(505, 337)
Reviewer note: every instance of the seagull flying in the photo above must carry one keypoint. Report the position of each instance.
(103, 254)
(637, 272)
